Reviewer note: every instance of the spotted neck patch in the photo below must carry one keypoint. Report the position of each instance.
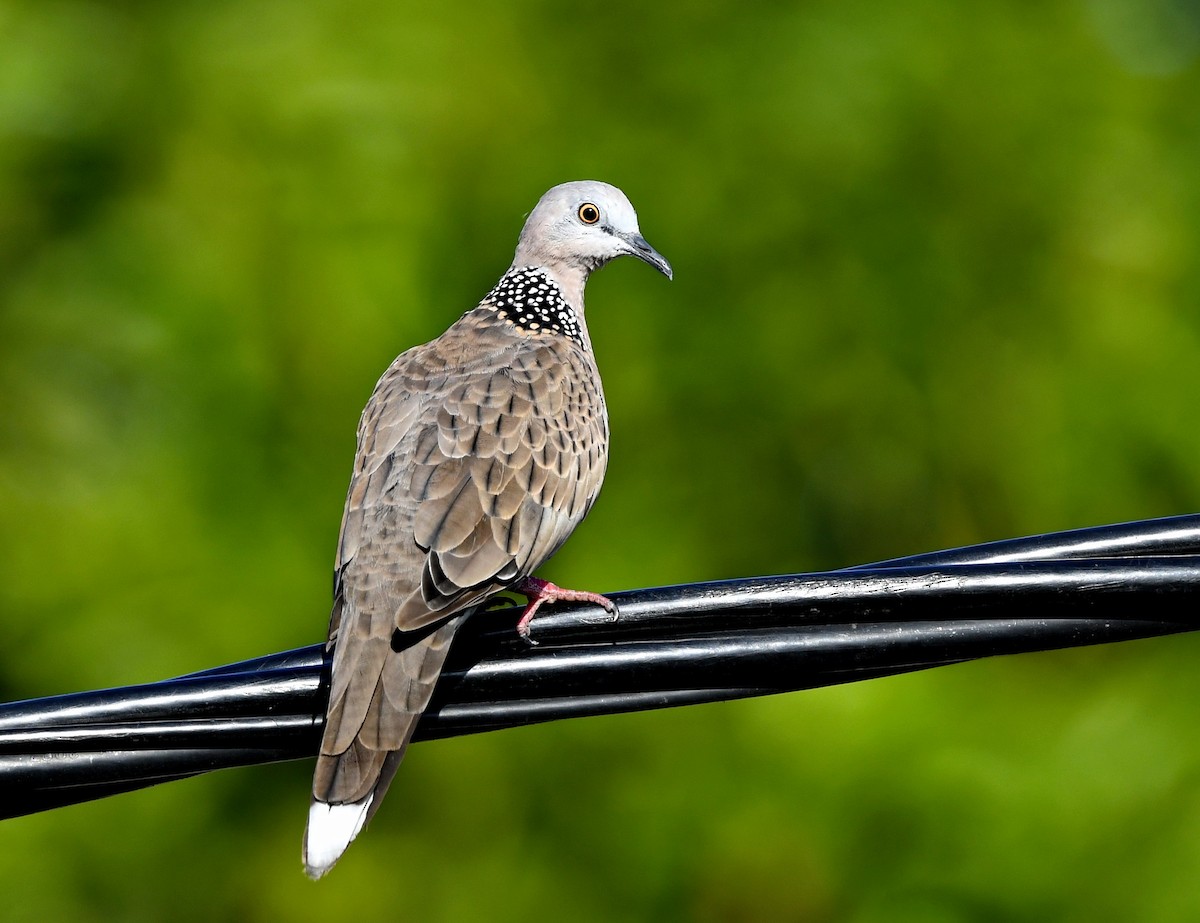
(532, 302)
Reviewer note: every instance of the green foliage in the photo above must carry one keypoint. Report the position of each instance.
(936, 282)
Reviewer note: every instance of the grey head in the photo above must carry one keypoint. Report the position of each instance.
(578, 227)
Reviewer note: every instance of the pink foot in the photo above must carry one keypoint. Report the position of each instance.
(543, 591)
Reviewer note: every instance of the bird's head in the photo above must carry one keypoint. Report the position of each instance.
(580, 226)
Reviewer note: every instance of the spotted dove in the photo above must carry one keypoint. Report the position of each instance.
(478, 454)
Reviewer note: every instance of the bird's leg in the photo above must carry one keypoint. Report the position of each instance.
(538, 591)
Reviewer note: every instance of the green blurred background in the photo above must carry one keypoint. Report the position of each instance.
(937, 275)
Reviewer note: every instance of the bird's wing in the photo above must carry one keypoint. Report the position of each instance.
(474, 465)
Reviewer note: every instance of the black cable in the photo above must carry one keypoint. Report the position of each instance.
(671, 646)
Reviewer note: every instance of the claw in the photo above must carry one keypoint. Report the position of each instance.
(543, 591)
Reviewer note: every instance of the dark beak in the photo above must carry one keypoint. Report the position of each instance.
(647, 254)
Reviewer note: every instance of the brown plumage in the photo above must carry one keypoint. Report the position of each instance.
(478, 454)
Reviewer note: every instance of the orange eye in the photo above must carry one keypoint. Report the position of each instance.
(589, 213)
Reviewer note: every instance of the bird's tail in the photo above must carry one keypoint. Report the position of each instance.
(362, 749)
(332, 828)
(330, 831)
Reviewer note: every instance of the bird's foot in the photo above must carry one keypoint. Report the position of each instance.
(543, 591)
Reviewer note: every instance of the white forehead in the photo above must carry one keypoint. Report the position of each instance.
(566, 199)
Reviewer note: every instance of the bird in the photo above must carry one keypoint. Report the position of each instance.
(478, 454)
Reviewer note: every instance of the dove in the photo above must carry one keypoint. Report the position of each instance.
(478, 454)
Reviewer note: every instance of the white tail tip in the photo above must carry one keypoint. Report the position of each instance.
(331, 829)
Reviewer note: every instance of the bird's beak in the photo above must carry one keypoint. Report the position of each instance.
(647, 254)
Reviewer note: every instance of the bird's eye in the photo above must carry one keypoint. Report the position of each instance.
(589, 213)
